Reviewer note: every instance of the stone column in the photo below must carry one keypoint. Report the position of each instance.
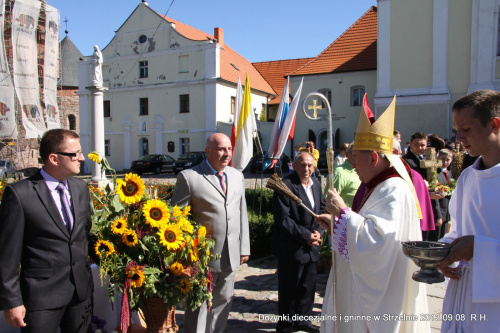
(96, 104)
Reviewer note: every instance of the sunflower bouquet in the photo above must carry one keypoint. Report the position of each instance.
(148, 248)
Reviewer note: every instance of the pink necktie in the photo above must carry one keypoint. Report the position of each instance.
(222, 181)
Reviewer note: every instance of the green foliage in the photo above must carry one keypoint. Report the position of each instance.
(260, 218)
(261, 238)
(262, 116)
(258, 196)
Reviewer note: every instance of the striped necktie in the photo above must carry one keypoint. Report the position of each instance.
(65, 207)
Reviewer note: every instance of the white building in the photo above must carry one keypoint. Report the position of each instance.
(169, 85)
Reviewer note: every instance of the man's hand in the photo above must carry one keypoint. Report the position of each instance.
(334, 203)
(15, 316)
(243, 259)
(324, 220)
(437, 195)
(439, 222)
(462, 248)
(315, 239)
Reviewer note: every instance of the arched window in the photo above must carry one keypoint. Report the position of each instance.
(72, 122)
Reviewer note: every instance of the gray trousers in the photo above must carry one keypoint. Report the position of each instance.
(215, 320)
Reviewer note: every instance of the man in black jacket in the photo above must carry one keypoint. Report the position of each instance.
(45, 277)
(418, 144)
(296, 243)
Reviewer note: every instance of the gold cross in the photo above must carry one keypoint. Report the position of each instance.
(315, 108)
(430, 163)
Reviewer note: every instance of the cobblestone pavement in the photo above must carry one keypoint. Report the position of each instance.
(255, 302)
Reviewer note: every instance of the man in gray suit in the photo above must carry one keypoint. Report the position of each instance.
(216, 194)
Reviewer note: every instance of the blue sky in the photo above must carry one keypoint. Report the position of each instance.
(260, 30)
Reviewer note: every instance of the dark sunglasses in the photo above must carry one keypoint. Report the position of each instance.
(72, 155)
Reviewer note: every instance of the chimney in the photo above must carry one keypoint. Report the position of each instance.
(219, 35)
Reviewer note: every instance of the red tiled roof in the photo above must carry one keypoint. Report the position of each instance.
(232, 64)
(354, 50)
(274, 72)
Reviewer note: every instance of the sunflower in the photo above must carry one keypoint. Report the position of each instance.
(136, 276)
(176, 211)
(170, 236)
(156, 213)
(119, 226)
(184, 286)
(202, 231)
(185, 225)
(193, 253)
(186, 211)
(131, 189)
(94, 157)
(103, 248)
(177, 268)
(129, 237)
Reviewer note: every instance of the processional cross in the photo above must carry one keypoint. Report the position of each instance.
(331, 166)
(430, 162)
(314, 107)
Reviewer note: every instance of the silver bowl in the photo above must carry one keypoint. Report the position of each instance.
(426, 255)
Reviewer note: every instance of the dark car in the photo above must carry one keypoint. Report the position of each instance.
(153, 163)
(255, 164)
(188, 160)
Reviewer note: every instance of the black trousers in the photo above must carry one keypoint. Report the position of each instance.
(296, 287)
(75, 317)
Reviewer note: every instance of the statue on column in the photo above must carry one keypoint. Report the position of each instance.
(97, 63)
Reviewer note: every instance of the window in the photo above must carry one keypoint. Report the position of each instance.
(233, 101)
(143, 69)
(184, 103)
(143, 39)
(107, 109)
(328, 95)
(144, 146)
(184, 146)
(183, 64)
(107, 147)
(72, 122)
(357, 94)
(498, 35)
(143, 107)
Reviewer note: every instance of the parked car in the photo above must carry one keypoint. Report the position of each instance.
(255, 164)
(153, 163)
(188, 160)
(7, 168)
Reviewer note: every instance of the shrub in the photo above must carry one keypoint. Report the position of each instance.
(261, 238)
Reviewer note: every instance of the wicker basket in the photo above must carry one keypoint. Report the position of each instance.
(159, 317)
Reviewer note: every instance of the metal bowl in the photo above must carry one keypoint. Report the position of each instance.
(426, 255)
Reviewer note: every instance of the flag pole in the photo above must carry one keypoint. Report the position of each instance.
(331, 166)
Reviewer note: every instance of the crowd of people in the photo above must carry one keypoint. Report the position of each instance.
(382, 196)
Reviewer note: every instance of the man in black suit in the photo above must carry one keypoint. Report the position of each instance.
(418, 144)
(45, 276)
(296, 239)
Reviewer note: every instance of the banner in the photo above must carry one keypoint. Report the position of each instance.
(50, 66)
(284, 125)
(25, 66)
(8, 128)
(245, 129)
